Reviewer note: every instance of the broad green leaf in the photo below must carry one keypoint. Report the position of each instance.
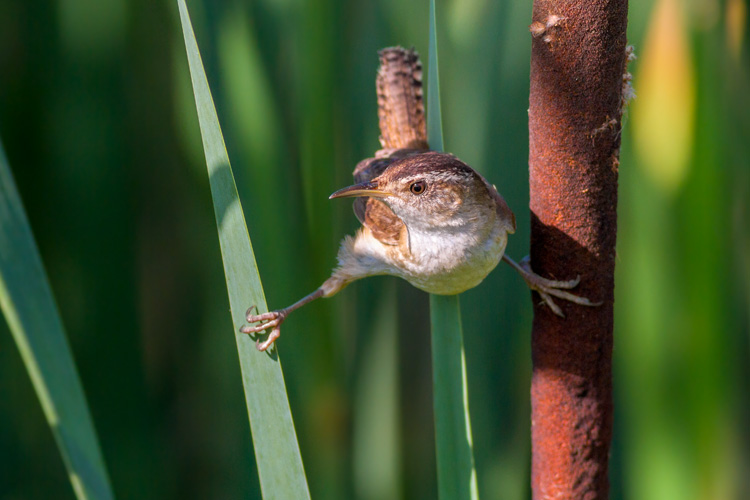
(457, 478)
(277, 453)
(30, 310)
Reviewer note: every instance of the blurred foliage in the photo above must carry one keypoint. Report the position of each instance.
(99, 125)
(30, 311)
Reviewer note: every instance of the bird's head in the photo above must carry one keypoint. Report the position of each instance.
(431, 191)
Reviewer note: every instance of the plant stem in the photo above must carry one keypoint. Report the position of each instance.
(577, 66)
(457, 477)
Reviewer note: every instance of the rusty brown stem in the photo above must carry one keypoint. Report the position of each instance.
(578, 61)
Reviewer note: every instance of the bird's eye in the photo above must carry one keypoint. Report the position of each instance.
(418, 187)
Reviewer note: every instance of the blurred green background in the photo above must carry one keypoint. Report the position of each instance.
(99, 126)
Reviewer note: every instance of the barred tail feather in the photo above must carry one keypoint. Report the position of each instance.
(400, 100)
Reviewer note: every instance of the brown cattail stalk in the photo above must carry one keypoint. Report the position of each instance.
(578, 73)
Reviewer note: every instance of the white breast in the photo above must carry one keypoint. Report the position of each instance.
(447, 263)
(441, 261)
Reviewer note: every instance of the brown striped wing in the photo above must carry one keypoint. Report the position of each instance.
(372, 213)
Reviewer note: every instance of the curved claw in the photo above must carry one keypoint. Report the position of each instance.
(551, 304)
(547, 288)
(254, 318)
(546, 294)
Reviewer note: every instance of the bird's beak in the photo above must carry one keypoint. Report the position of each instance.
(364, 189)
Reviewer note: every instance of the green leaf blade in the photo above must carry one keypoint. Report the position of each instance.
(277, 452)
(434, 113)
(457, 478)
(30, 310)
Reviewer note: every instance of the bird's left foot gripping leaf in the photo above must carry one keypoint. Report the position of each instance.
(547, 288)
(272, 319)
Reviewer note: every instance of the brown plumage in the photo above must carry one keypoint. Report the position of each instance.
(400, 103)
(402, 134)
(426, 216)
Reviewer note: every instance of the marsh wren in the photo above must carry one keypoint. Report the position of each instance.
(426, 216)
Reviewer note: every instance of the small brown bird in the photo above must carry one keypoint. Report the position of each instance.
(426, 216)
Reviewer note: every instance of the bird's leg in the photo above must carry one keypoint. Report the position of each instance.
(548, 288)
(273, 319)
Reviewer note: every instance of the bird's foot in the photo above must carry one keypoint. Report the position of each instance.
(547, 288)
(272, 319)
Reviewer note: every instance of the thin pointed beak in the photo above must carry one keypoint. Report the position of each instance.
(363, 189)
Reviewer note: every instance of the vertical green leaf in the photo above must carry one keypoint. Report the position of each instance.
(29, 307)
(457, 478)
(277, 453)
(434, 114)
